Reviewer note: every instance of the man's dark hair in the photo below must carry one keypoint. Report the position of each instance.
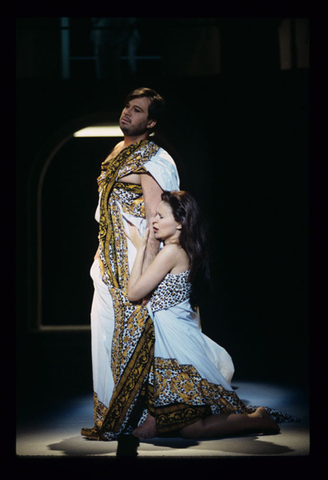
(156, 105)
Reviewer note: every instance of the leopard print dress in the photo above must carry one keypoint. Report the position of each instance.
(191, 374)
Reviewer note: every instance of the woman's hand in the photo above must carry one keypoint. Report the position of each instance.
(97, 254)
(139, 241)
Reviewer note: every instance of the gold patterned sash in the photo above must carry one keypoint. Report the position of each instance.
(130, 159)
(133, 339)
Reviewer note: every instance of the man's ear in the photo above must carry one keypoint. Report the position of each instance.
(151, 124)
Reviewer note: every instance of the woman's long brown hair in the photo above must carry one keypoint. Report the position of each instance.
(193, 238)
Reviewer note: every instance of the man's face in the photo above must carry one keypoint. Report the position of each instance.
(134, 118)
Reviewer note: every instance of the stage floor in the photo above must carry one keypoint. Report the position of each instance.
(56, 432)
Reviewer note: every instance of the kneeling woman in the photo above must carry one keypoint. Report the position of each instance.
(189, 391)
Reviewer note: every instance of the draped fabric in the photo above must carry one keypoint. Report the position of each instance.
(155, 358)
(190, 376)
(130, 159)
(132, 344)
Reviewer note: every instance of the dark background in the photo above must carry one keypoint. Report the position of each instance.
(236, 124)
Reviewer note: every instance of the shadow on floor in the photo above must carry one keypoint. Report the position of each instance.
(247, 445)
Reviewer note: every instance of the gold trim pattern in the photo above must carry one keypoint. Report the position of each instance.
(131, 381)
(133, 339)
(179, 396)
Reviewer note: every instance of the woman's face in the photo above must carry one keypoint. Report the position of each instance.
(164, 225)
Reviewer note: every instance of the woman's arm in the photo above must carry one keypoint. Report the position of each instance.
(152, 196)
(141, 284)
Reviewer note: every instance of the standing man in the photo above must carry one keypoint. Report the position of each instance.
(130, 185)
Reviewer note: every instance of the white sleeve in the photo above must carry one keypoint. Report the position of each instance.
(164, 170)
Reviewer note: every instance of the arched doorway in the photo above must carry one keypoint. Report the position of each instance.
(66, 229)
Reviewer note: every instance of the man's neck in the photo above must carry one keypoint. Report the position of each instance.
(130, 140)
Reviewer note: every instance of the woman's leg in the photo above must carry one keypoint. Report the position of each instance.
(146, 429)
(231, 424)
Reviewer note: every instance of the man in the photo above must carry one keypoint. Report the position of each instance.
(130, 186)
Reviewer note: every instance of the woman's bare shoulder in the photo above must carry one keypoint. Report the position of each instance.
(177, 253)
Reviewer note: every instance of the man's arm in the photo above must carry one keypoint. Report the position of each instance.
(152, 197)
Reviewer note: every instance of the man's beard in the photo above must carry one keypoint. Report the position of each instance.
(134, 131)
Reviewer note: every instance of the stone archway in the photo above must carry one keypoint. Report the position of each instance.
(66, 229)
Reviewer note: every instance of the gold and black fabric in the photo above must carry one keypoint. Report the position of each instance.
(133, 340)
(178, 396)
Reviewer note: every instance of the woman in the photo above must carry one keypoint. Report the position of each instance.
(189, 390)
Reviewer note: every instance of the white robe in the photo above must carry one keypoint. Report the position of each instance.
(178, 336)
(164, 171)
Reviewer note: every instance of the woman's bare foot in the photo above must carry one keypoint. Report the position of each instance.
(268, 425)
(147, 429)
